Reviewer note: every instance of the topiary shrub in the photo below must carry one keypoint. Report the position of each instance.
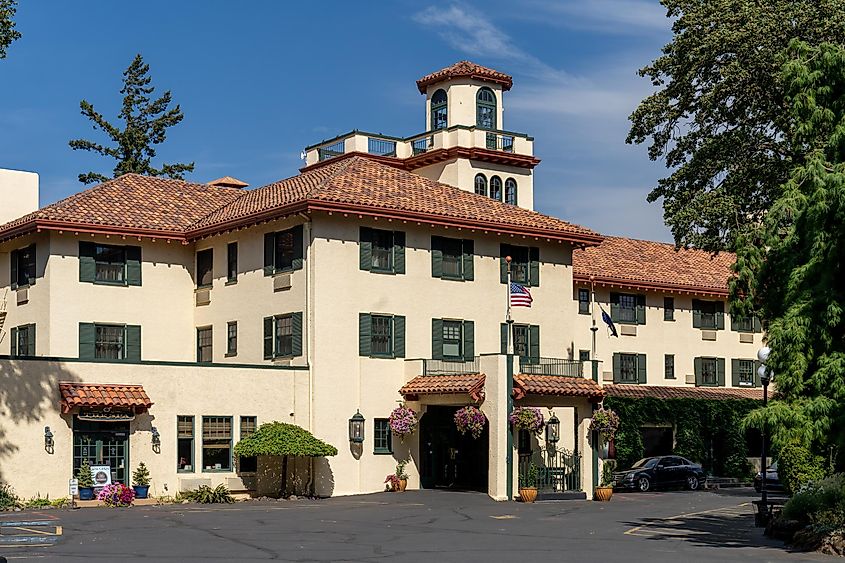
(83, 475)
(141, 475)
(797, 466)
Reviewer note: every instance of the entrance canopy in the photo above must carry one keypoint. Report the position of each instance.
(103, 396)
(555, 385)
(471, 384)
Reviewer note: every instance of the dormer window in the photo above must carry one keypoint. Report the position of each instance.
(485, 109)
(439, 113)
(496, 188)
(480, 184)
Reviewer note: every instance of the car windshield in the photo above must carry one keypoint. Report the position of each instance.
(647, 463)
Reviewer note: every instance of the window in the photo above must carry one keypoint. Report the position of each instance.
(526, 342)
(629, 368)
(496, 188)
(439, 114)
(217, 443)
(745, 324)
(485, 109)
(627, 308)
(249, 424)
(452, 258)
(710, 371)
(668, 308)
(109, 342)
(205, 267)
(381, 336)
(510, 191)
(283, 251)
(382, 251)
(744, 373)
(232, 338)
(23, 341)
(204, 345)
(283, 336)
(453, 339)
(708, 315)
(669, 366)
(382, 440)
(232, 262)
(525, 264)
(583, 301)
(109, 264)
(23, 266)
(185, 444)
(583, 355)
(480, 184)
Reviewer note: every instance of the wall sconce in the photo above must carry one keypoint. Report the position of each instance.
(48, 440)
(356, 428)
(156, 440)
(552, 431)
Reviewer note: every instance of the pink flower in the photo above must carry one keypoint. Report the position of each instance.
(470, 419)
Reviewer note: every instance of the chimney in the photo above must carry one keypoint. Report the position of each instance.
(18, 194)
(228, 182)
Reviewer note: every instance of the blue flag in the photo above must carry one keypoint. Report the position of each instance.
(607, 320)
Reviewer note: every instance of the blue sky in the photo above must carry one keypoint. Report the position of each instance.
(260, 80)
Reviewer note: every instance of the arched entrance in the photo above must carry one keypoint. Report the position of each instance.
(450, 459)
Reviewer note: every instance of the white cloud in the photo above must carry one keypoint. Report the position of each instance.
(627, 17)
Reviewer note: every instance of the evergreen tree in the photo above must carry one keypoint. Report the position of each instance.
(145, 125)
(719, 117)
(8, 33)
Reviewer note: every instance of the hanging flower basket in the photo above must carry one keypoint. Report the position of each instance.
(527, 418)
(470, 419)
(403, 421)
(606, 423)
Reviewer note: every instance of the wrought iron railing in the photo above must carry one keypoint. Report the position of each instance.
(551, 366)
(381, 147)
(450, 367)
(421, 145)
(331, 151)
(553, 470)
(497, 142)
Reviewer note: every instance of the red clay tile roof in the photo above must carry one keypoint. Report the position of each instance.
(679, 392)
(130, 204)
(647, 264)
(525, 384)
(359, 184)
(466, 69)
(471, 384)
(103, 395)
(228, 182)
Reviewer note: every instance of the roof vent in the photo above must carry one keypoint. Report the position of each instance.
(228, 182)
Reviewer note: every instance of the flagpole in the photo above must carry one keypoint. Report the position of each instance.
(593, 328)
(509, 320)
(509, 465)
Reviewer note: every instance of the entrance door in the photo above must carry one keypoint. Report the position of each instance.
(448, 458)
(102, 443)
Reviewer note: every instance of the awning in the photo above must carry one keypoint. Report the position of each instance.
(555, 385)
(103, 396)
(470, 384)
(682, 392)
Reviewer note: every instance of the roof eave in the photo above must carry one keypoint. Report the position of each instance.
(38, 225)
(650, 285)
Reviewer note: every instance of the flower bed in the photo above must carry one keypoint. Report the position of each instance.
(470, 419)
(527, 418)
(116, 495)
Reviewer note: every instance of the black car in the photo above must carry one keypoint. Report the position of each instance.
(772, 480)
(660, 471)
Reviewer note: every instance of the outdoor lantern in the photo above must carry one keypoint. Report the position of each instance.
(156, 437)
(356, 428)
(553, 430)
(48, 439)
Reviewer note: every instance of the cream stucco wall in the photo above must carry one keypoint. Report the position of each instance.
(461, 96)
(36, 307)
(461, 173)
(18, 194)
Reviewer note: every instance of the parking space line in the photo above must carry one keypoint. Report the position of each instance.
(727, 510)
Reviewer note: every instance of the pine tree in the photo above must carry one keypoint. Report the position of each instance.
(145, 125)
(8, 33)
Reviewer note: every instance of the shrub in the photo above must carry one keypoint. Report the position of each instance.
(821, 503)
(38, 502)
(797, 466)
(83, 475)
(206, 495)
(116, 495)
(141, 475)
(8, 499)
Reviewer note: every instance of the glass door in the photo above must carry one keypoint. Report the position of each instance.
(102, 443)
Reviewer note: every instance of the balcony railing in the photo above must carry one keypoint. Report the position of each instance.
(381, 147)
(331, 151)
(421, 145)
(496, 142)
(551, 366)
(450, 367)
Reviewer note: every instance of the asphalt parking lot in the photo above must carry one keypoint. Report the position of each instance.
(414, 526)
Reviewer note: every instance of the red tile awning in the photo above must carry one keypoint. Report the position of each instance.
(681, 392)
(555, 385)
(98, 395)
(470, 384)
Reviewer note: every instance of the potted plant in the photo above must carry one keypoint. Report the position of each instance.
(470, 419)
(141, 481)
(116, 495)
(528, 484)
(402, 421)
(527, 418)
(85, 481)
(604, 492)
(605, 423)
(392, 482)
(402, 475)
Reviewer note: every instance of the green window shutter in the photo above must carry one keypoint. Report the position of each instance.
(720, 315)
(469, 340)
(298, 249)
(365, 339)
(31, 345)
(758, 327)
(504, 251)
(268, 338)
(436, 257)
(534, 266)
(133, 343)
(296, 334)
(755, 377)
(504, 338)
(735, 373)
(398, 336)
(87, 337)
(436, 339)
(534, 342)
(399, 252)
(13, 274)
(469, 259)
(617, 367)
(697, 366)
(696, 314)
(641, 369)
(720, 372)
(640, 309)
(365, 246)
(269, 253)
(133, 265)
(614, 307)
(14, 349)
(734, 324)
(87, 267)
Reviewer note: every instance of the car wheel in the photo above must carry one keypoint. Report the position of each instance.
(692, 483)
(643, 484)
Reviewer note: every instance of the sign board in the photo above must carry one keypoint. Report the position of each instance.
(73, 487)
(101, 475)
(106, 415)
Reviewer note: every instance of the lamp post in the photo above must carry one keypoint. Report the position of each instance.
(765, 376)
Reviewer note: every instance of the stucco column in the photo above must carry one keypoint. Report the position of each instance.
(495, 408)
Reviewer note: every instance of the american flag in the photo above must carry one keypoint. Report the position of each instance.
(520, 296)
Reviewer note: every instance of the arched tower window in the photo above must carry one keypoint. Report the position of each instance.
(510, 191)
(439, 115)
(496, 188)
(485, 109)
(480, 184)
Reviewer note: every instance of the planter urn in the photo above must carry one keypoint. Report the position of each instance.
(141, 491)
(86, 493)
(528, 494)
(403, 484)
(603, 494)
